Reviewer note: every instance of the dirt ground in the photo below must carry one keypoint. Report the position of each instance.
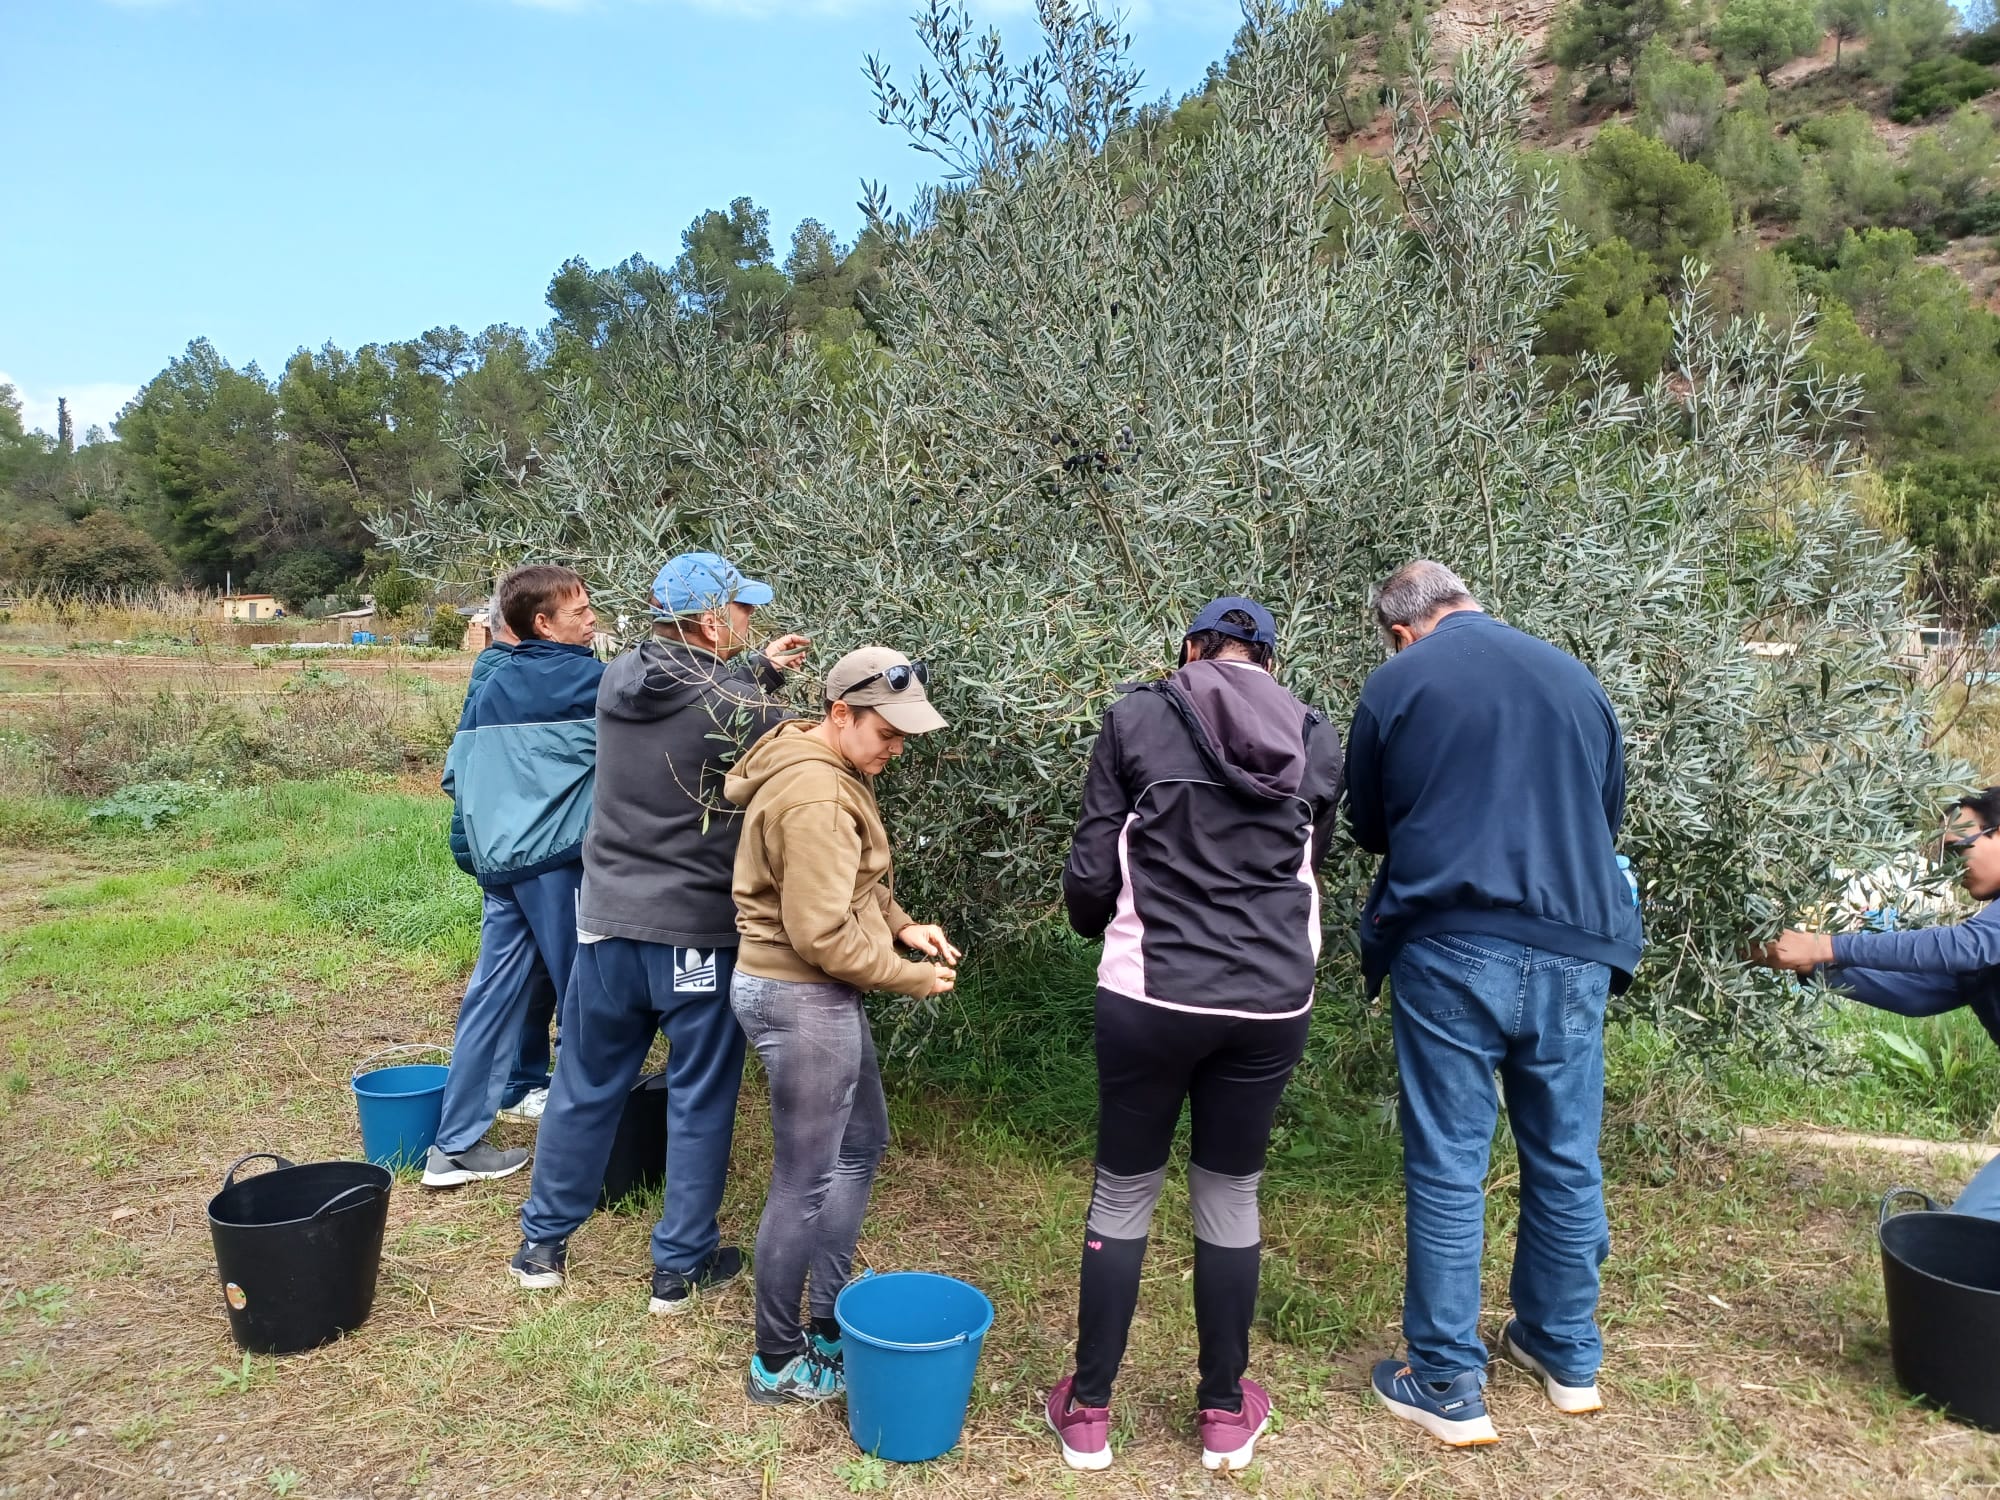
(1743, 1315)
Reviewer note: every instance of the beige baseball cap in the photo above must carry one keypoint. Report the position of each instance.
(888, 682)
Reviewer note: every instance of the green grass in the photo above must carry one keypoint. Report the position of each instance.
(169, 999)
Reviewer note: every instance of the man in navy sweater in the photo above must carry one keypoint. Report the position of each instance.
(1487, 768)
(1928, 971)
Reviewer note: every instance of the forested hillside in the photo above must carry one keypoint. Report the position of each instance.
(1841, 153)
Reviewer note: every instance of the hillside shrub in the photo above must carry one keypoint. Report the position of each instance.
(1110, 392)
(1931, 88)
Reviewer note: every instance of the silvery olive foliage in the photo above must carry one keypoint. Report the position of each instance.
(1120, 378)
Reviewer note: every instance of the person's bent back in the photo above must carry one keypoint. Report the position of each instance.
(1486, 767)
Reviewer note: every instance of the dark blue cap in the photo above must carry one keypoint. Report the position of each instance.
(1263, 633)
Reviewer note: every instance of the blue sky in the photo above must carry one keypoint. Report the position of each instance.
(272, 174)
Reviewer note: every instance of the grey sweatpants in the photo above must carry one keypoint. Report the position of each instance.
(829, 1128)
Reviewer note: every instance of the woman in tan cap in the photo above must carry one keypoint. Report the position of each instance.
(820, 927)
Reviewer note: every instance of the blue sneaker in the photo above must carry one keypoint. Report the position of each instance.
(1575, 1400)
(805, 1378)
(829, 1350)
(1453, 1411)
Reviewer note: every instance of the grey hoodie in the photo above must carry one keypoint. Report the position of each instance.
(657, 862)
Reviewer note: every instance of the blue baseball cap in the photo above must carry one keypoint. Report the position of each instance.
(1263, 632)
(696, 581)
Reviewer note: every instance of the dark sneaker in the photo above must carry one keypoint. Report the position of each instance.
(673, 1291)
(482, 1163)
(805, 1378)
(539, 1267)
(1575, 1400)
(1229, 1438)
(1083, 1431)
(1452, 1411)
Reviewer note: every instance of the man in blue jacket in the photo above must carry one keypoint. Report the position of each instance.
(1931, 970)
(1487, 768)
(528, 1086)
(521, 772)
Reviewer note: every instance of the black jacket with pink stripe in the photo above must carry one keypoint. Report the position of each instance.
(1207, 810)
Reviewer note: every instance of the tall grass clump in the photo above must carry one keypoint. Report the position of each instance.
(114, 725)
(1115, 383)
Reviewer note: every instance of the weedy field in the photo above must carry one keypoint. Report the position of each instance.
(171, 998)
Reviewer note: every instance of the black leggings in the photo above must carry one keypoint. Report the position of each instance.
(1231, 1071)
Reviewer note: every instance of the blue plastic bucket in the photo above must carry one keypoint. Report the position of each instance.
(912, 1341)
(400, 1108)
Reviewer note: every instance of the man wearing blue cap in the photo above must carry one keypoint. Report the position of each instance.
(657, 925)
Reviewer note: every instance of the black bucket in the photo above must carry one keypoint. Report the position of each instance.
(639, 1151)
(1941, 1276)
(298, 1250)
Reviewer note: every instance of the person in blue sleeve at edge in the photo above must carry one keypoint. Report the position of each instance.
(1931, 970)
(528, 1087)
(521, 773)
(1487, 768)
(656, 925)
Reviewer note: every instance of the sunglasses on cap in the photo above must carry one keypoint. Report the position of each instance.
(897, 678)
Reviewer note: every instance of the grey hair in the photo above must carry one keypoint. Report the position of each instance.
(1415, 592)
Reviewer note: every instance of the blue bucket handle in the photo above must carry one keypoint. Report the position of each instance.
(229, 1176)
(1894, 1193)
(362, 1066)
(951, 1343)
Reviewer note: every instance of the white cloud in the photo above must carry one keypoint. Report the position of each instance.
(91, 405)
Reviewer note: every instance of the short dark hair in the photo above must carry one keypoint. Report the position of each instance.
(535, 590)
(1212, 643)
(1985, 806)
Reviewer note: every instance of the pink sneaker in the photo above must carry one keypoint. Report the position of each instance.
(1085, 1431)
(1229, 1438)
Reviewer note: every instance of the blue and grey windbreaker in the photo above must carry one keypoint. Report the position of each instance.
(522, 767)
(482, 668)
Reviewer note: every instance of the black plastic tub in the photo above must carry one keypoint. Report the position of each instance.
(298, 1250)
(1941, 1277)
(638, 1161)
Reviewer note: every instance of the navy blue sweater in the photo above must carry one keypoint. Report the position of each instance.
(1925, 972)
(1487, 767)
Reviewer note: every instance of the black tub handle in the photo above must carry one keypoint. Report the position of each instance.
(229, 1177)
(1894, 1193)
(327, 1207)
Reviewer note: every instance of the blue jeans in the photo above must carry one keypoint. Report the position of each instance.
(520, 923)
(1466, 1005)
(531, 1059)
(624, 992)
(1982, 1194)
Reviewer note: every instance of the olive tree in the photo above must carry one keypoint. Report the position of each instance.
(1110, 391)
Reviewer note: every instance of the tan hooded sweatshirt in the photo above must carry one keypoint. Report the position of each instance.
(813, 884)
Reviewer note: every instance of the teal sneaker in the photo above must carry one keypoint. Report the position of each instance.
(805, 1378)
(829, 1350)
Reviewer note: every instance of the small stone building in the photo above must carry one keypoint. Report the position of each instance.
(249, 607)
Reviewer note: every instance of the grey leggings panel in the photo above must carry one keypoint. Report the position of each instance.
(1121, 1208)
(1224, 1208)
